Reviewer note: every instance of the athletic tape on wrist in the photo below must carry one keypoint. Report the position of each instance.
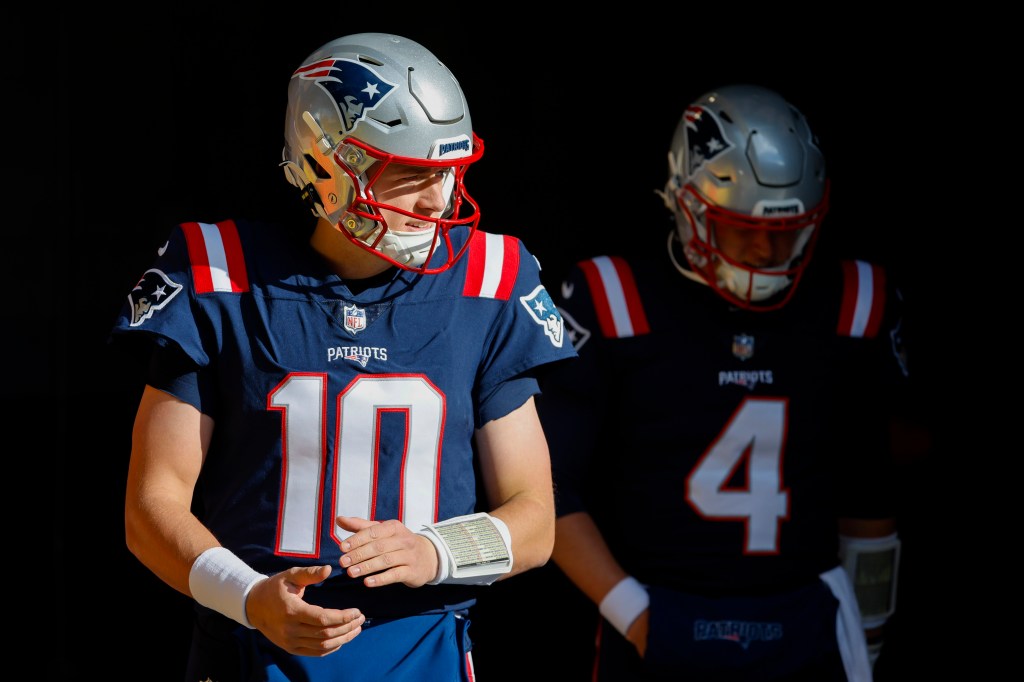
(624, 603)
(475, 549)
(873, 567)
(221, 581)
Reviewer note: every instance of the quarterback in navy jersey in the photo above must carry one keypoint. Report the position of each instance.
(319, 409)
(733, 501)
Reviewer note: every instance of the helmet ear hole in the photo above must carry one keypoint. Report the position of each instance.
(320, 171)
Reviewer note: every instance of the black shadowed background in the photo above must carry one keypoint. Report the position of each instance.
(127, 127)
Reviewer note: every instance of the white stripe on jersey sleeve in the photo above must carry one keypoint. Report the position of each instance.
(493, 261)
(865, 297)
(616, 296)
(218, 259)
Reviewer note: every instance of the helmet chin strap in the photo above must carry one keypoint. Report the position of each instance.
(409, 248)
(748, 285)
(727, 275)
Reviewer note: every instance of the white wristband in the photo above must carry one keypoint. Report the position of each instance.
(624, 603)
(221, 581)
(873, 567)
(475, 549)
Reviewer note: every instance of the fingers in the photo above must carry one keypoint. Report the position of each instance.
(308, 575)
(353, 523)
(365, 532)
(325, 631)
(386, 552)
(276, 606)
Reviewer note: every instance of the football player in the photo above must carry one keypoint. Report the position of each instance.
(320, 406)
(720, 448)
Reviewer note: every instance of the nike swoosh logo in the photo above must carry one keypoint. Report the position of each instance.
(567, 289)
(163, 248)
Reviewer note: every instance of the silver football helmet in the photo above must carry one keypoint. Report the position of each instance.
(744, 162)
(360, 103)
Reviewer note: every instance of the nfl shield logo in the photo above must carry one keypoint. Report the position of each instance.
(355, 318)
(743, 346)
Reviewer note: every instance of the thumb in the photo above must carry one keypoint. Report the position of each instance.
(353, 523)
(301, 576)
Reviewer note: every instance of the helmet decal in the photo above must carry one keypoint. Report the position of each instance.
(704, 137)
(355, 88)
(742, 162)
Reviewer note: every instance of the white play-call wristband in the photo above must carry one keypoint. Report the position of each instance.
(873, 567)
(475, 549)
(221, 581)
(624, 603)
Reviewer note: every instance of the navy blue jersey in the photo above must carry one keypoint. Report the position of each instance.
(339, 398)
(716, 447)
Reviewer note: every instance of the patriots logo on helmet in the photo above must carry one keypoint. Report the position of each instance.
(153, 292)
(704, 137)
(355, 88)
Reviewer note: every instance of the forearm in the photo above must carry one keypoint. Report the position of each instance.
(583, 555)
(531, 525)
(516, 471)
(166, 538)
(169, 442)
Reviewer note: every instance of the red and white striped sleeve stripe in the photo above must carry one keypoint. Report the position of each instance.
(216, 255)
(616, 299)
(863, 299)
(493, 265)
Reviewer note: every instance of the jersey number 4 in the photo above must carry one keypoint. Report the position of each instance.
(753, 439)
(302, 399)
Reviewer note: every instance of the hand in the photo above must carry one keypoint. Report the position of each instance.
(386, 552)
(275, 606)
(637, 633)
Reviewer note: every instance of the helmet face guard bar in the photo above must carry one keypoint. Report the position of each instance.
(802, 230)
(363, 223)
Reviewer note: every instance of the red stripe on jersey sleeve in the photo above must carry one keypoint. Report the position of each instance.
(852, 288)
(476, 258)
(237, 272)
(201, 277)
(600, 298)
(637, 316)
(482, 266)
(509, 268)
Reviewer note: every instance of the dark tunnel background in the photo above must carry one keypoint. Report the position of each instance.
(121, 133)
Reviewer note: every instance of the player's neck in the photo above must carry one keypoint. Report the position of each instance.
(346, 259)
